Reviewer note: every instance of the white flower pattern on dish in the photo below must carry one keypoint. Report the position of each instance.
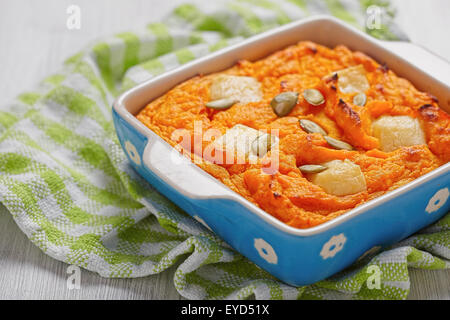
(333, 246)
(266, 251)
(437, 201)
(132, 152)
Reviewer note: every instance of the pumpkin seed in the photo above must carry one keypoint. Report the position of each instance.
(360, 99)
(221, 104)
(262, 144)
(313, 97)
(312, 168)
(337, 144)
(283, 103)
(311, 127)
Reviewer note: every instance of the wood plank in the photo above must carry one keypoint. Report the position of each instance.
(28, 273)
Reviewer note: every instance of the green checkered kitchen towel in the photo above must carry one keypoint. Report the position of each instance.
(69, 187)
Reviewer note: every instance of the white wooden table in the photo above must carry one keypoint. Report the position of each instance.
(34, 41)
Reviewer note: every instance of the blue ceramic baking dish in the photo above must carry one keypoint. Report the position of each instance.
(295, 256)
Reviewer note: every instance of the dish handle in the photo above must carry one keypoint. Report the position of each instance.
(422, 58)
(180, 173)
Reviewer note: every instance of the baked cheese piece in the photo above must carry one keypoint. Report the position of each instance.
(237, 140)
(242, 89)
(244, 142)
(353, 79)
(394, 132)
(341, 178)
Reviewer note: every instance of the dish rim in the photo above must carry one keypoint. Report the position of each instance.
(120, 107)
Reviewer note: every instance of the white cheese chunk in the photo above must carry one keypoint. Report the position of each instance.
(238, 141)
(353, 79)
(243, 89)
(341, 178)
(394, 132)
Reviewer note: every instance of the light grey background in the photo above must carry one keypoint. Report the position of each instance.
(34, 41)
